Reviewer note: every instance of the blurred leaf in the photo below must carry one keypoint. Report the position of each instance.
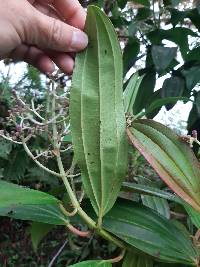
(162, 56)
(170, 157)
(133, 28)
(131, 91)
(5, 148)
(194, 16)
(149, 232)
(171, 2)
(122, 3)
(156, 96)
(142, 2)
(26, 204)
(172, 87)
(145, 91)
(143, 14)
(132, 260)
(161, 102)
(38, 231)
(178, 35)
(177, 16)
(34, 76)
(17, 164)
(192, 76)
(194, 54)
(131, 51)
(92, 264)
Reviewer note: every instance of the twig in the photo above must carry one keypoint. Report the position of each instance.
(57, 254)
(35, 111)
(36, 161)
(67, 213)
(10, 139)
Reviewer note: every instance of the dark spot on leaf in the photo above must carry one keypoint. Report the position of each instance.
(88, 154)
(105, 52)
(10, 212)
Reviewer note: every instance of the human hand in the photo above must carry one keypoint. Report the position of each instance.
(35, 31)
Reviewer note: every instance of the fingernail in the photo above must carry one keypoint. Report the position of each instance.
(79, 40)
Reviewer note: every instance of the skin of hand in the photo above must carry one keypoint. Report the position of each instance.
(42, 32)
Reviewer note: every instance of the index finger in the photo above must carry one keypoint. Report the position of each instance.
(71, 11)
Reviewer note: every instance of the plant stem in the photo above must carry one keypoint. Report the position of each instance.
(91, 223)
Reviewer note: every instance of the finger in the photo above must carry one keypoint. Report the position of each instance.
(47, 10)
(51, 33)
(64, 61)
(33, 56)
(71, 11)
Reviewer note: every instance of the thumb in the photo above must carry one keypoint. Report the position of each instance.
(51, 33)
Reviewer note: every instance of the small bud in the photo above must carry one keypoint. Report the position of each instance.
(18, 128)
(194, 134)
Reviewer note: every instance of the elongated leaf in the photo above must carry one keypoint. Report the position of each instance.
(130, 92)
(145, 230)
(156, 203)
(132, 260)
(92, 264)
(171, 158)
(27, 204)
(151, 191)
(97, 113)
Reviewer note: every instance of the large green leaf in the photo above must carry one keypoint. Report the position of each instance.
(97, 113)
(151, 233)
(26, 204)
(92, 264)
(158, 103)
(150, 191)
(170, 157)
(132, 260)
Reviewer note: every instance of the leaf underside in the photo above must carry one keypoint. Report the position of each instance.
(97, 113)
